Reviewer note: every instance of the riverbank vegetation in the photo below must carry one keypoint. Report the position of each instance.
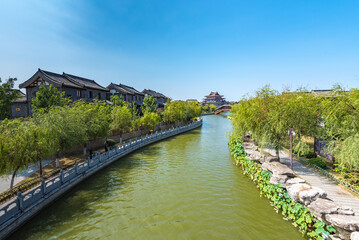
(301, 217)
(209, 108)
(59, 125)
(333, 117)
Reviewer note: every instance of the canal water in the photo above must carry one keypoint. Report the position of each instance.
(185, 187)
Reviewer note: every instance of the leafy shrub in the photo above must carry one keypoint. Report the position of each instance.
(110, 142)
(309, 154)
(318, 162)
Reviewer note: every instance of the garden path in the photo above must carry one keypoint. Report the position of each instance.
(335, 192)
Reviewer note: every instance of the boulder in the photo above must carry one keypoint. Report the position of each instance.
(354, 236)
(295, 189)
(346, 222)
(267, 157)
(310, 195)
(295, 180)
(321, 207)
(279, 179)
(278, 168)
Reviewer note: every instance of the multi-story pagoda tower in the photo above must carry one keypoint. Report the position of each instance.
(214, 98)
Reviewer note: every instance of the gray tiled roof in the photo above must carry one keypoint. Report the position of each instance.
(61, 79)
(131, 89)
(57, 80)
(84, 82)
(124, 89)
(153, 93)
(21, 98)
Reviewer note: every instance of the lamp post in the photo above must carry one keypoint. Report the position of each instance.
(291, 133)
(291, 148)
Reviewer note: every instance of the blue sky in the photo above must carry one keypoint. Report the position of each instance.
(185, 49)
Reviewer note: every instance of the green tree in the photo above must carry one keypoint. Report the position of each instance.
(149, 104)
(121, 119)
(16, 136)
(7, 96)
(269, 115)
(117, 101)
(209, 108)
(64, 128)
(181, 111)
(149, 121)
(95, 119)
(340, 114)
(47, 97)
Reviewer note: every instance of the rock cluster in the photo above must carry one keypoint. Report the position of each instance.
(314, 198)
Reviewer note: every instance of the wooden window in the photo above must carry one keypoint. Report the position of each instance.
(99, 96)
(90, 94)
(78, 93)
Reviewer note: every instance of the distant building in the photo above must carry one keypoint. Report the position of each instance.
(19, 107)
(321, 92)
(192, 100)
(74, 87)
(214, 98)
(128, 93)
(160, 98)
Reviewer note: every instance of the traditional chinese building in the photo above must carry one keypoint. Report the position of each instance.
(129, 94)
(214, 98)
(74, 87)
(160, 98)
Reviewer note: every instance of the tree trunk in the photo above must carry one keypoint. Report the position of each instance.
(85, 149)
(13, 178)
(277, 152)
(40, 163)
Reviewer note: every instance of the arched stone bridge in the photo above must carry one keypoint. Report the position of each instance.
(223, 108)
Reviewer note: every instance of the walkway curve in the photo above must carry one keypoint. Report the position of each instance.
(334, 192)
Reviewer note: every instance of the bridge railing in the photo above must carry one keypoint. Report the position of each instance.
(14, 208)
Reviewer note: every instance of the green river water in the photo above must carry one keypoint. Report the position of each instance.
(185, 187)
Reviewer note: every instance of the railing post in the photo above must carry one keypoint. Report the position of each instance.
(19, 200)
(43, 186)
(88, 162)
(61, 176)
(76, 168)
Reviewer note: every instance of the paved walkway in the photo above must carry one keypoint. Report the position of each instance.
(335, 192)
(5, 181)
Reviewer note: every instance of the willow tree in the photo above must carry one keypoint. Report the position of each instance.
(180, 111)
(269, 115)
(64, 128)
(340, 112)
(94, 118)
(16, 155)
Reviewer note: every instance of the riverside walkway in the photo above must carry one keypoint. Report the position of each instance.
(334, 191)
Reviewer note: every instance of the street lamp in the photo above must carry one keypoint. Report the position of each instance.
(291, 133)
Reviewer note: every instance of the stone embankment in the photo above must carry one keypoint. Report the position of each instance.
(344, 219)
